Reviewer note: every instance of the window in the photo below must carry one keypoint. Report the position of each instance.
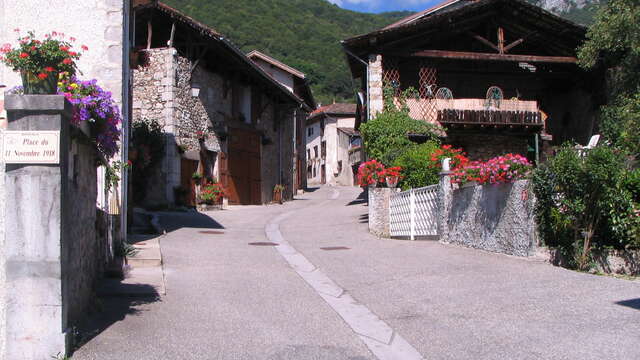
(315, 151)
(309, 131)
(314, 171)
(322, 127)
(309, 172)
(323, 147)
(308, 154)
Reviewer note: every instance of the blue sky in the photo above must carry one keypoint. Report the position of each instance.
(377, 6)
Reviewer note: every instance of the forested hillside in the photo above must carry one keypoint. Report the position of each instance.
(305, 34)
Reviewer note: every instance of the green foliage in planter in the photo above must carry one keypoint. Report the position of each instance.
(587, 201)
(416, 166)
(385, 136)
(148, 139)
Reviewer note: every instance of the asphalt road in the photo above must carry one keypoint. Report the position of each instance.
(230, 299)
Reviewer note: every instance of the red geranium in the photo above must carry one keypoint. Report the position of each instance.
(43, 76)
(24, 55)
(371, 172)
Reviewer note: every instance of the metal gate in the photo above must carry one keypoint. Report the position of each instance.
(414, 213)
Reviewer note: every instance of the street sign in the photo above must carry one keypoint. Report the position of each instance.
(30, 147)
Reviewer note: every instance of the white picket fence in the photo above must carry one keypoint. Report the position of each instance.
(414, 212)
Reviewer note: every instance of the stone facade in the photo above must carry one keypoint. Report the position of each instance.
(186, 101)
(496, 218)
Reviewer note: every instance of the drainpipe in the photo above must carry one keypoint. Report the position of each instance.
(366, 64)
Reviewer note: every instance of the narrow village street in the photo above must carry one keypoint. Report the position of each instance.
(330, 290)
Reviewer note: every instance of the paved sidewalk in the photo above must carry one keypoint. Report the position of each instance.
(227, 299)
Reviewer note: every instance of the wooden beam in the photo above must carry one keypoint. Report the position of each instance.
(485, 41)
(149, 34)
(173, 32)
(500, 40)
(463, 55)
(513, 44)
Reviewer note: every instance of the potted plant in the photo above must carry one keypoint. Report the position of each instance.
(277, 193)
(392, 176)
(93, 106)
(212, 193)
(371, 173)
(40, 62)
(197, 178)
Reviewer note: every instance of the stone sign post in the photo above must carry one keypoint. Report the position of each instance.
(35, 149)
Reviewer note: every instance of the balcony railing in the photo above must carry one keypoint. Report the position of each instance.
(476, 112)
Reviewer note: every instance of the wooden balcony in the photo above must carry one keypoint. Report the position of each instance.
(452, 112)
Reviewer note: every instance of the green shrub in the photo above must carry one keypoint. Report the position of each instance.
(586, 202)
(385, 136)
(416, 166)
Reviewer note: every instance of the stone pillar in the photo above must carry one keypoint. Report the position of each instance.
(379, 211)
(36, 320)
(445, 195)
(376, 100)
(169, 89)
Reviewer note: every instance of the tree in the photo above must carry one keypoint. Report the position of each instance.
(613, 42)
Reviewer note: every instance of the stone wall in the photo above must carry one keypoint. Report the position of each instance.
(154, 83)
(487, 146)
(87, 248)
(496, 218)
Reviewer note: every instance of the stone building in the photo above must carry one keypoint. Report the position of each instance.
(223, 116)
(331, 142)
(500, 75)
(297, 83)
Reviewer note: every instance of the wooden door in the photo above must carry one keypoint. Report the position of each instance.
(243, 167)
(323, 174)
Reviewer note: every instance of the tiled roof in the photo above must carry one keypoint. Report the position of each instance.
(259, 55)
(335, 109)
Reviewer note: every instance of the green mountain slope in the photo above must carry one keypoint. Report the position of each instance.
(304, 34)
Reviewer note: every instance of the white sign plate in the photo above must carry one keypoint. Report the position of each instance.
(31, 147)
